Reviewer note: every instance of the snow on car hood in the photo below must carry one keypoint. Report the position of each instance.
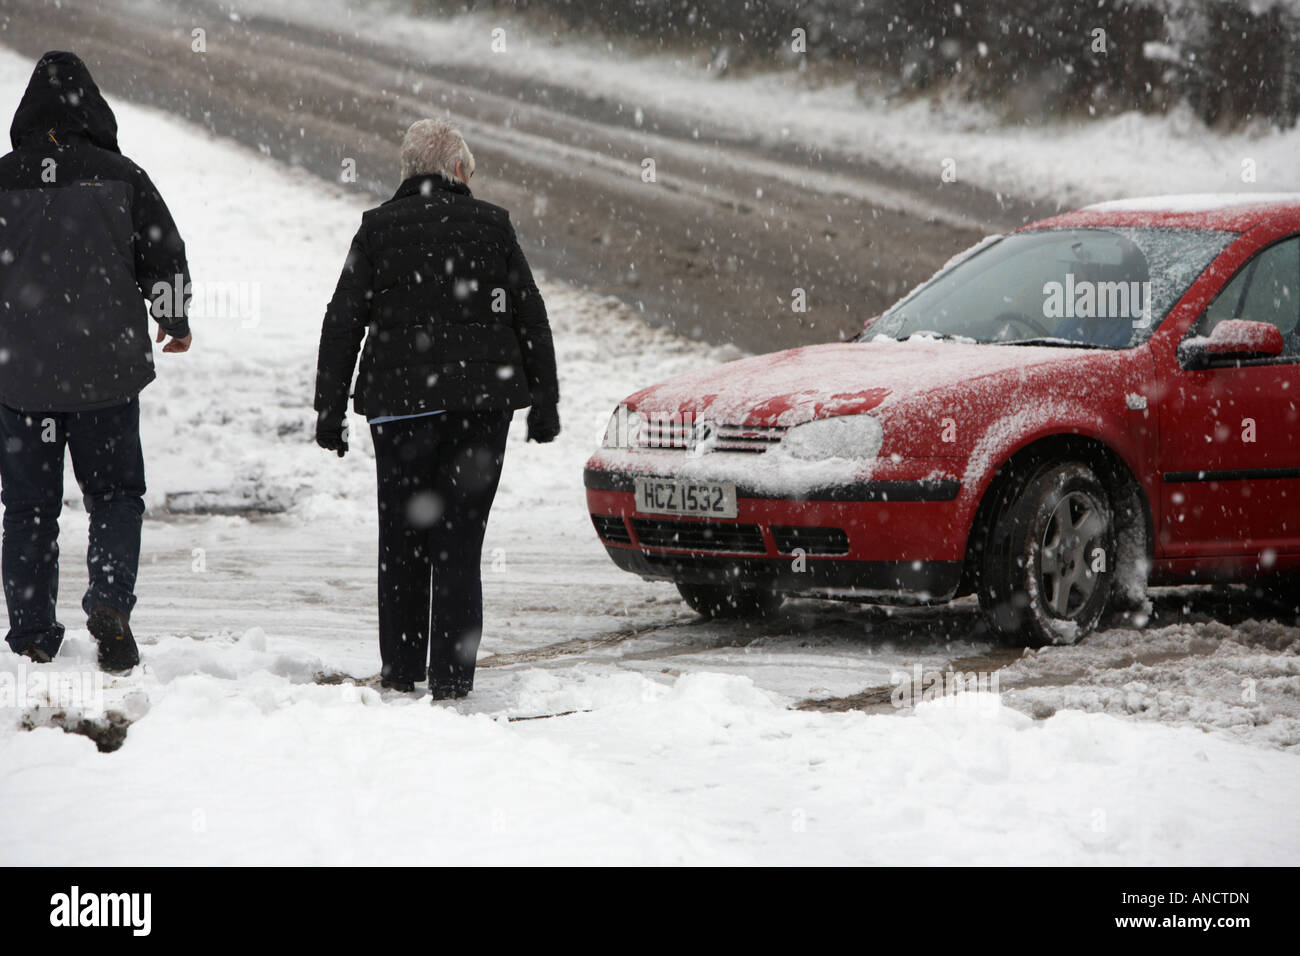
(844, 378)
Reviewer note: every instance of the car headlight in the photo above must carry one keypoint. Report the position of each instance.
(623, 429)
(846, 436)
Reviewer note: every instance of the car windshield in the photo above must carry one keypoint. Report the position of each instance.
(1092, 287)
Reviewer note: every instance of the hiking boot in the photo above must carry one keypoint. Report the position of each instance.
(117, 650)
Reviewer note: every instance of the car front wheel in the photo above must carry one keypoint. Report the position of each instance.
(727, 601)
(1048, 569)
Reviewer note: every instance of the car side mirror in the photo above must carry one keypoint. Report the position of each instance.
(1232, 340)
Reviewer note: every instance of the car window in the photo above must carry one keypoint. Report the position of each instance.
(1227, 304)
(1265, 289)
(1094, 287)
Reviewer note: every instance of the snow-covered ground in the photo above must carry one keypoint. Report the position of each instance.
(678, 741)
(1071, 162)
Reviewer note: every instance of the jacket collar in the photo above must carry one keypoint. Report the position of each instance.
(425, 185)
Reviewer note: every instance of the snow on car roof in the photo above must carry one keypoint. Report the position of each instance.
(1232, 212)
(1196, 202)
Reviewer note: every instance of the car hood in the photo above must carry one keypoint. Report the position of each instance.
(845, 378)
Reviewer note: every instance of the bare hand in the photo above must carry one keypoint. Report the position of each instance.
(175, 345)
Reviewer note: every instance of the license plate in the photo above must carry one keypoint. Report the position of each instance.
(675, 496)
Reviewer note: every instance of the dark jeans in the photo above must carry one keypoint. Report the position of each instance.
(437, 478)
(108, 463)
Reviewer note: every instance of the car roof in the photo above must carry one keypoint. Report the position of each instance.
(1231, 212)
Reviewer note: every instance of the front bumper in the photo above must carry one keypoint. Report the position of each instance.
(891, 535)
(910, 580)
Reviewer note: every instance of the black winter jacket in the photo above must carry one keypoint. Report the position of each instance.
(452, 318)
(84, 238)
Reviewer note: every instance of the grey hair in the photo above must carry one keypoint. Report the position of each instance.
(433, 147)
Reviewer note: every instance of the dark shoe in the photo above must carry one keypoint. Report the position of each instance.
(117, 650)
(392, 683)
(42, 649)
(448, 691)
(33, 652)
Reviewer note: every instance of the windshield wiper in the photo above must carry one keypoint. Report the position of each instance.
(1055, 343)
(923, 334)
(942, 336)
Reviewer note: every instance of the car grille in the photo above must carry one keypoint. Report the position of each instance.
(699, 536)
(611, 528)
(673, 433)
(811, 540)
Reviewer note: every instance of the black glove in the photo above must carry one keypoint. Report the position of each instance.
(331, 434)
(543, 423)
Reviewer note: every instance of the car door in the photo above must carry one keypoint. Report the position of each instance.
(1230, 449)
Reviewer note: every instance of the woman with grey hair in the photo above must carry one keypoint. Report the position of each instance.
(456, 339)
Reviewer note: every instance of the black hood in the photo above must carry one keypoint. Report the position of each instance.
(62, 98)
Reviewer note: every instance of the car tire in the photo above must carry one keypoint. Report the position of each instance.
(730, 602)
(1048, 570)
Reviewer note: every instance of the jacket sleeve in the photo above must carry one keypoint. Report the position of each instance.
(160, 262)
(346, 319)
(533, 329)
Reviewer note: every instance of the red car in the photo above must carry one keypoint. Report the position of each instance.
(1095, 401)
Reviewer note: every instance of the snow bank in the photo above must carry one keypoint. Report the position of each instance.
(1243, 680)
(242, 761)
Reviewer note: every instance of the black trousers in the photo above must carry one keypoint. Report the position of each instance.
(106, 457)
(437, 477)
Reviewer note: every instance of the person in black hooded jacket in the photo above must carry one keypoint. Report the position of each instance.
(456, 339)
(85, 238)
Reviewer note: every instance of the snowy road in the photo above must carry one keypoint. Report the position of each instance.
(566, 161)
(685, 741)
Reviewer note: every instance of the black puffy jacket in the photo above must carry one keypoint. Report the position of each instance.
(452, 318)
(84, 239)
